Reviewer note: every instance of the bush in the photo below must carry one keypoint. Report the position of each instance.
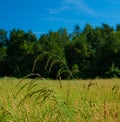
(113, 71)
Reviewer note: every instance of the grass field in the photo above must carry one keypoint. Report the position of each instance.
(36, 100)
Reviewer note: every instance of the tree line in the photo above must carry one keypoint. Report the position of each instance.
(85, 53)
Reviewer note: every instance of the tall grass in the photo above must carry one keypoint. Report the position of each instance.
(51, 61)
(38, 100)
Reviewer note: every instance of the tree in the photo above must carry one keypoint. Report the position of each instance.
(118, 27)
(90, 35)
(106, 28)
(77, 54)
(84, 53)
(76, 32)
(108, 52)
(113, 71)
(3, 38)
(20, 50)
(3, 54)
(54, 43)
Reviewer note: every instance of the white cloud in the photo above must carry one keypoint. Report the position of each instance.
(75, 5)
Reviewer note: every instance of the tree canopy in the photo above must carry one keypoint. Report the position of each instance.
(85, 53)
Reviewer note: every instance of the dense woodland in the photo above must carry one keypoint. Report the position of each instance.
(87, 52)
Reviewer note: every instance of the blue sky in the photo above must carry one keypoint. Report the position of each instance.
(40, 16)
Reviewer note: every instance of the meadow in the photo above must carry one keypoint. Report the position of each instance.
(41, 100)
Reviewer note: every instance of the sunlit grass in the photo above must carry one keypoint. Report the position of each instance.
(38, 100)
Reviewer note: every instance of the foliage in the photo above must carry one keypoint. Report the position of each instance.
(113, 71)
(89, 51)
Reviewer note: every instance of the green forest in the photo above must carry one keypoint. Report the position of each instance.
(87, 52)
